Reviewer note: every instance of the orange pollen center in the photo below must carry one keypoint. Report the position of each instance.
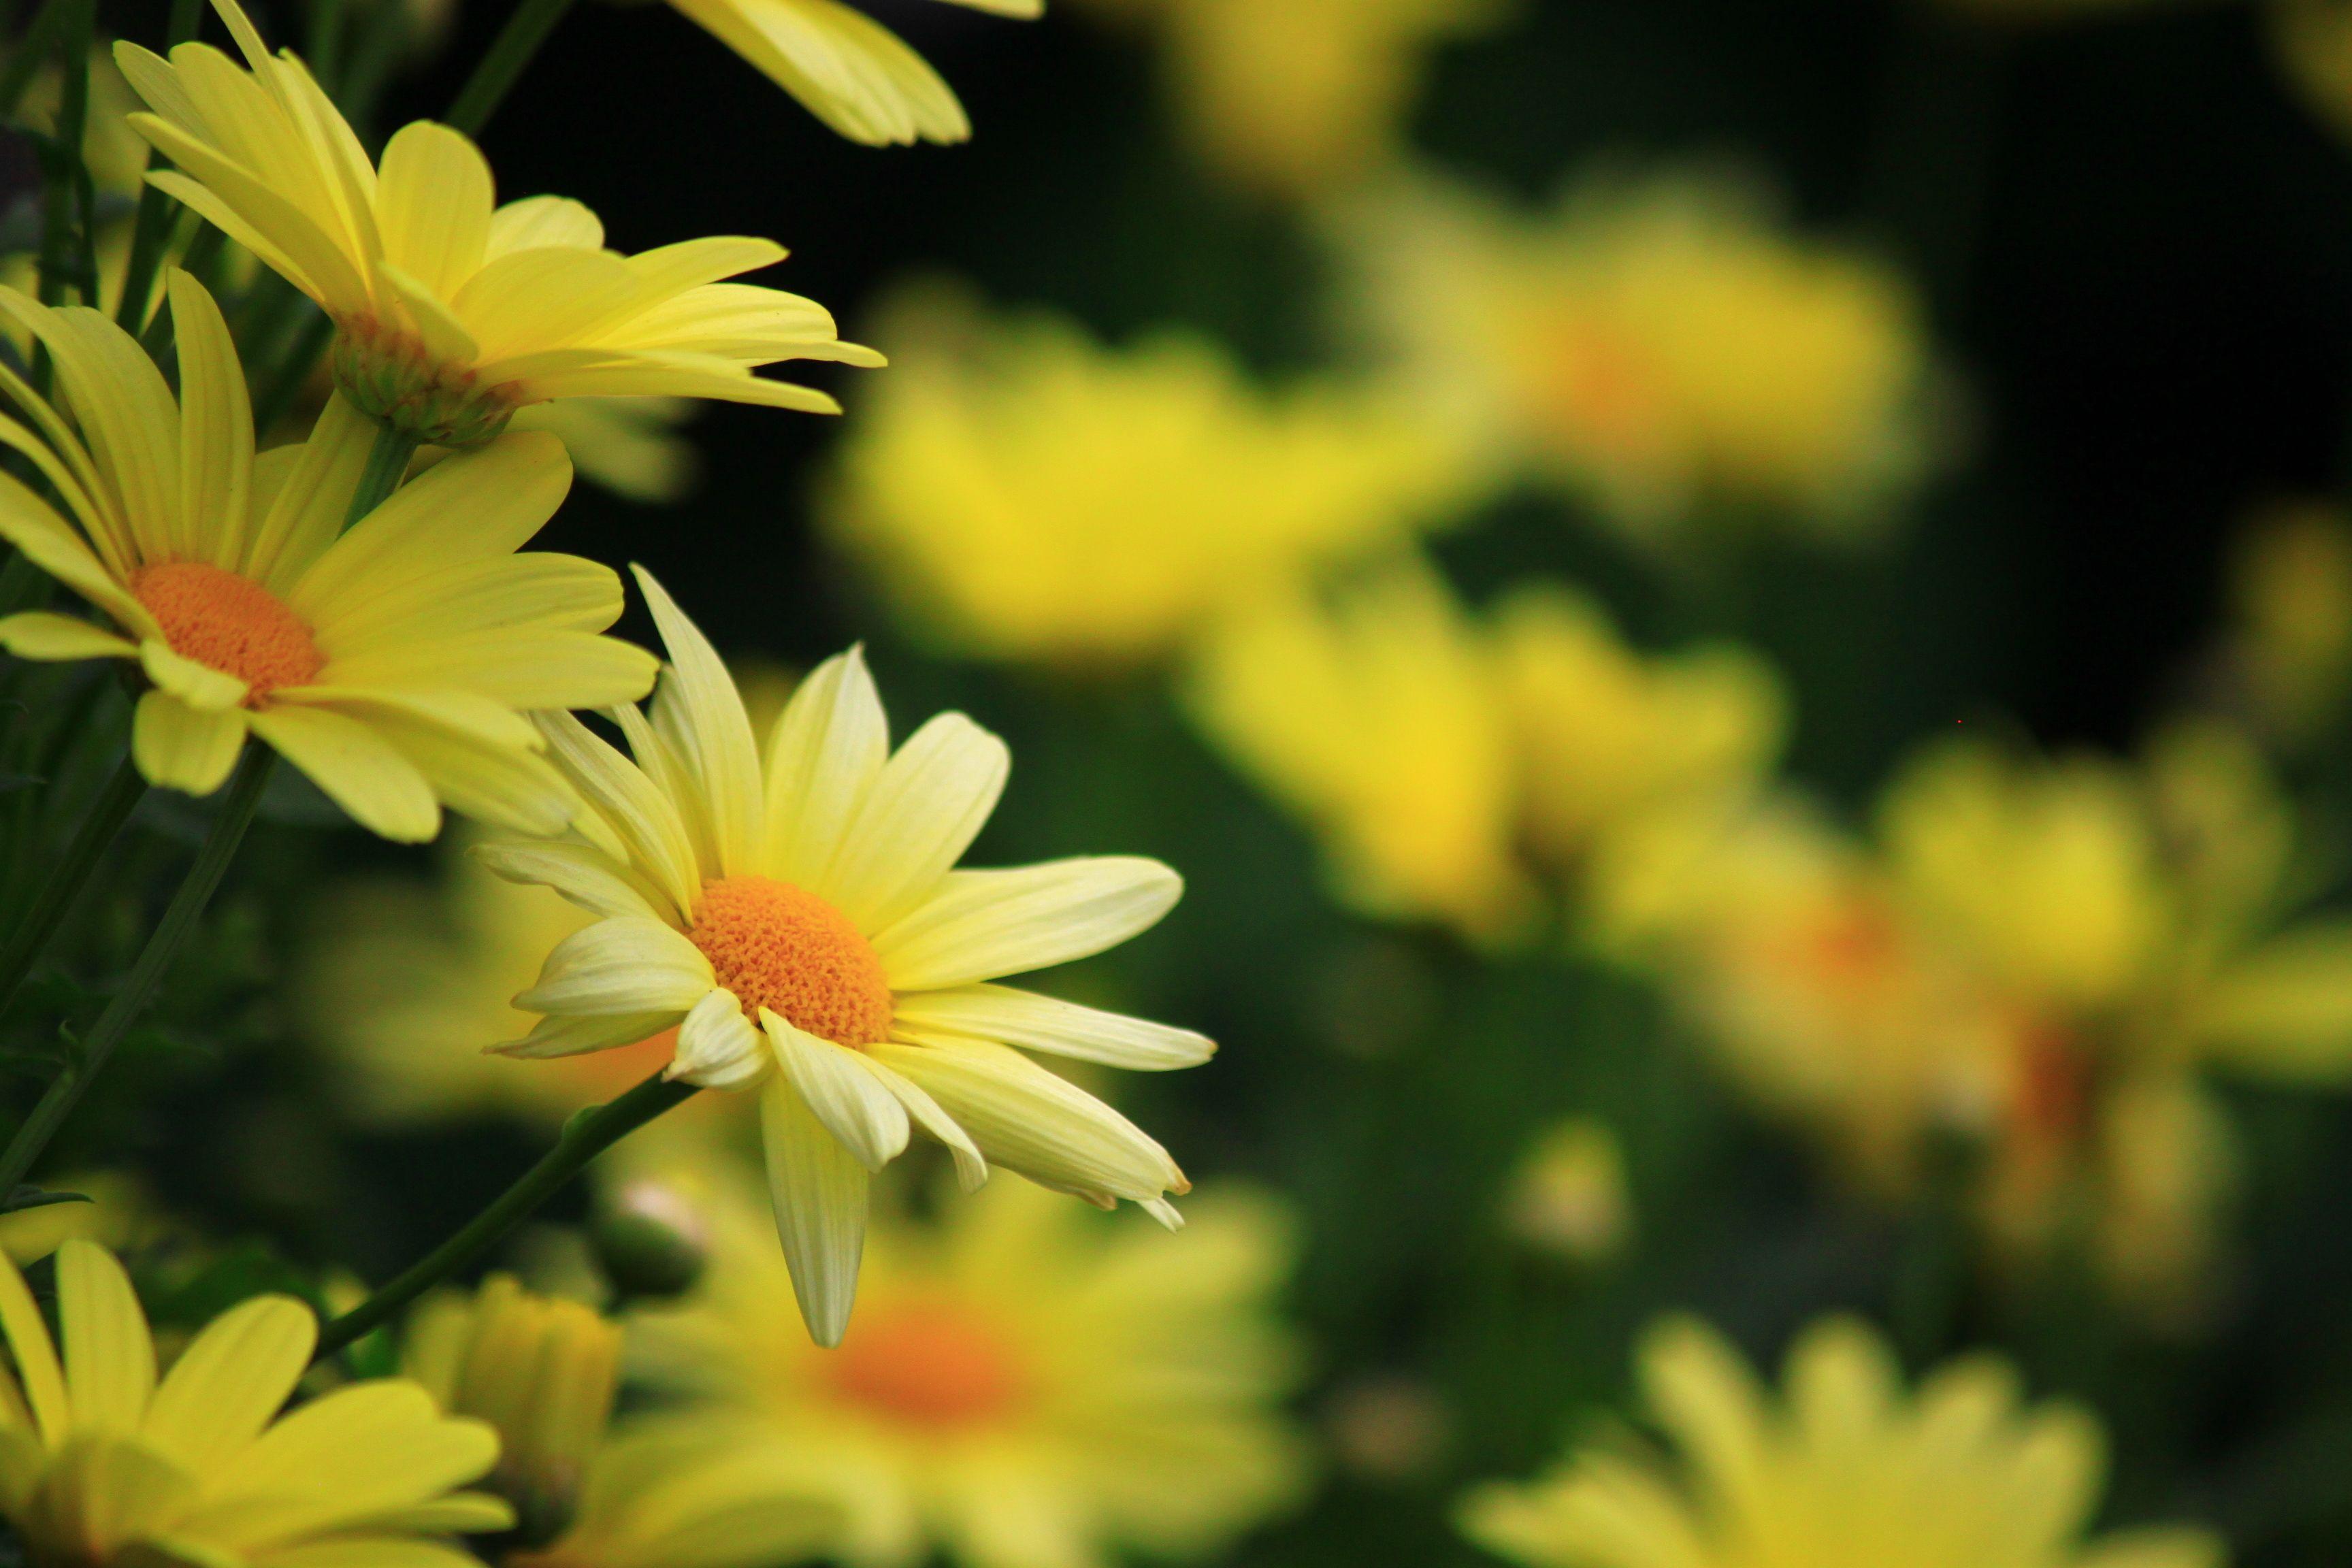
(229, 623)
(927, 1364)
(777, 947)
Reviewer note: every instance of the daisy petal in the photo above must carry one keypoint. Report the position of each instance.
(725, 758)
(1048, 1023)
(972, 1165)
(230, 1381)
(41, 635)
(717, 1046)
(357, 769)
(819, 1193)
(581, 873)
(841, 1091)
(557, 1036)
(184, 748)
(620, 965)
(1026, 1118)
(823, 756)
(922, 814)
(980, 925)
(110, 1359)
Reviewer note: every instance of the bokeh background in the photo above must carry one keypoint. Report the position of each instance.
(2123, 233)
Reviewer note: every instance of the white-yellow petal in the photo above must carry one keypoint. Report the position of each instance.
(1048, 1023)
(717, 1046)
(184, 748)
(819, 1192)
(620, 965)
(841, 1091)
(982, 925)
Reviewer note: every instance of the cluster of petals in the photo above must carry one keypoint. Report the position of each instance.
(392, 664)
(101, 1463)
(869, 841)
(434, 285)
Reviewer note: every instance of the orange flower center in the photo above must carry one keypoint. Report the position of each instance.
(230, 624)
(779, 947)
(929, 1364)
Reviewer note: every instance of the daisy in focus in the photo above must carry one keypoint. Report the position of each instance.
(1028, 494)
(389, 664)
(1291, 95)
(1025, 1386)
(543, 1372)
(1662, 349)
(797, 918)
(845, 68)
(452, 311)
(1847, 1468)
(102, 1463)
(1378, 719)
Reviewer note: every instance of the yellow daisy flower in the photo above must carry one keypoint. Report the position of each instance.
(980, 478)
(1606, 735)
(845, 68)
(452, 311)
(1025, 1386)
(543, 1372)
(1663, 349)
(102, 1463)
(1379, 721)
(1846, 1469)
(388, 664)
(799, 921)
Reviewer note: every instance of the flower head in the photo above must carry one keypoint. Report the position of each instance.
(101, 1463)
(452, 311)
(389, 664)
(1663, 349)
(798, 919)
(845, 68)
(543, 1372)
(1023, 1384)
(1846, 1471)
(1029, 494)
(1378, 719)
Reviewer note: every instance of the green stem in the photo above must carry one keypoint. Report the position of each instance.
(153, 229)
(61, 161)
(387, 461)
(56, 900)
(171, 933)
(585, 1136)
(501, 68)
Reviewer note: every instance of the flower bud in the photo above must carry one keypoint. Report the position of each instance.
(649, 1239)
(392, 377)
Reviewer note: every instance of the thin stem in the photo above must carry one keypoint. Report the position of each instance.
(56, 900)
(60, 258)
(501, 68)
(387, 461)
(171, 933)
(153, 229)
(585, 1136)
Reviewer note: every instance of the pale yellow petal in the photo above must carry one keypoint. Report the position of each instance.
(717, 1046)
(433, 202)
(1060, 1028)
(184, 748)
(356, 767)
(40, 635)
(980, 925)
(819, 1193)
(620, 965)
(922, 813)
(216, 431)
(842, 1092)
(723, 755)
(581, 873)
(110, 1360)
(822, 757)
(232, 1379)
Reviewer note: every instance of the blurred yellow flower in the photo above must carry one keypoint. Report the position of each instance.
(1662, 346)
(1569, 1196)
(799, 921)
(2290, 638)
(543, 1372)
(111, 151)
(1608, 734)
(389, 663)
(450, 311)
(1290, 95)
(1847, 1468)
(1027, 493)
(102, 1464)
(1025, 1386)
(845, 68)
(1379, 719)
(2046, 874)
